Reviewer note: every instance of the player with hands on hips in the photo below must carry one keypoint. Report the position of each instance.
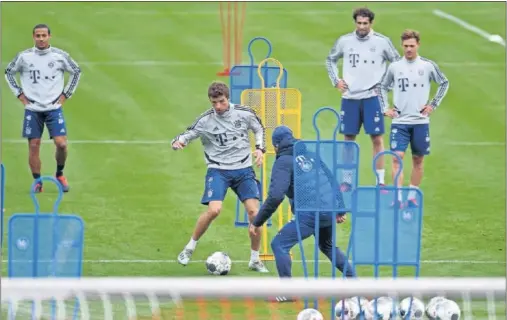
(224, 133)
(410, 78)
(42, 92)
(365, 54)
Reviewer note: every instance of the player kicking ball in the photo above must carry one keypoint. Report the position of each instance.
(42, 92)
(224, 135)
(282, 185)
(411, 79)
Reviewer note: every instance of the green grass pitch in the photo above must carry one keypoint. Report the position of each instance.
(146, 68)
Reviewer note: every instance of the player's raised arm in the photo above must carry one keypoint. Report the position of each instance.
(10, 75)
(443, 85)
(75, 74)
(255, 124)
(385, 84)
(331, 62)
(193, 132)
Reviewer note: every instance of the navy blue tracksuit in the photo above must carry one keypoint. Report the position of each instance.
(281, 185)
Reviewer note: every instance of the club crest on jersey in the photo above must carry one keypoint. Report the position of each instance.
(51, 64)
(421, 72)
(305, 164)
(237, 124)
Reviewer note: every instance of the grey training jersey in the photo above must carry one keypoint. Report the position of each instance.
(225, 137)
(411, 82)
(364, 63)
(42, 77)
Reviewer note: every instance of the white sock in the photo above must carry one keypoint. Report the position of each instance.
(254, 256)
(381, 176)
(412, 193)
(347, 176)
(400, 196)
(191, 244)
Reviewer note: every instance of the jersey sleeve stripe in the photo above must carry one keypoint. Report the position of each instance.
(199, 118)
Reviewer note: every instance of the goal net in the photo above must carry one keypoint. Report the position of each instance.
(238, 298)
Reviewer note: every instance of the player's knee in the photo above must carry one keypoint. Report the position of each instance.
(34, 145)
(213, 211)
(396, 161)
(418, 161)
(377, 140)
(276, 245)
(349, 137)
(61, 144)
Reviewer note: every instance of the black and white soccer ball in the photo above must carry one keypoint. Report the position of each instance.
(218, 264)
(413, 306)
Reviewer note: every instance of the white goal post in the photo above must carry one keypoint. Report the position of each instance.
(108, 292)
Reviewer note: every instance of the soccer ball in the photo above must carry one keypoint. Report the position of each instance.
(416, 309)
(447, 310)
(346, 309)
(431, 307)
(310, 314)
(218, 264)
(385, 308)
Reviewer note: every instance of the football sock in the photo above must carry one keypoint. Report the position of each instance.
(59, 170)
(412, 192)
(191, 244)
(348, 176)
(381, 176)
(36, 175)
(254, 255)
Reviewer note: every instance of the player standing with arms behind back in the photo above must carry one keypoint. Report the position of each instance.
(224, 133)
(411, 79)
(42, 92)
(364, 54)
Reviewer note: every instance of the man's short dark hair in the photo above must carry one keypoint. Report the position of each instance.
(218, 89)
(363, 12)
(41, 26)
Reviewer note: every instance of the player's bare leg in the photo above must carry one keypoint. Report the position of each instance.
(415, 178)
(348, 175)
(252, 208)
(378, 147)
(394, 171)
(203, 223)
(34, 160)
(61, 157)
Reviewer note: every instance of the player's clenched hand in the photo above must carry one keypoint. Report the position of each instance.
(253, 230)
(259, 156)
(342, 85)
(427, 110)
(23, 99)
(391, 113)
(61, 100)
(341, 218)
(177, 145)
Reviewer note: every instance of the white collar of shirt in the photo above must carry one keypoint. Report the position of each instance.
(366, 37)
(43, 51)
(411, 61)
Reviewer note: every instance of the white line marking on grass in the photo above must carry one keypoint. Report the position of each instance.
(167, 142)
(136, 261)
(465, 25)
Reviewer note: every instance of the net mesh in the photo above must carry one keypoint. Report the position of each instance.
(233, 298)
(275, 107)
